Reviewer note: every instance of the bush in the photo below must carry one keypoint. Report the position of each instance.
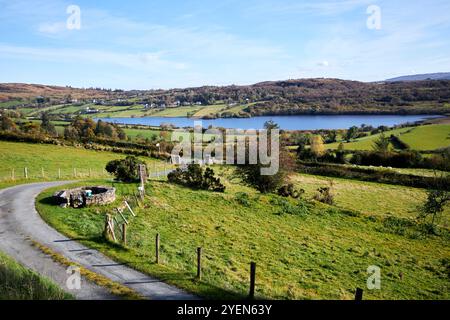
(286, 207)
(194, 177)
(400, 226)
(404, 159)
(325, 195)
(242, 198)
(251, 175)
(288, 190)
(126, 170)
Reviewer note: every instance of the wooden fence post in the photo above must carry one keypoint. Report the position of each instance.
(157, 248)
(25, 171)
(43, 173)
(124, 233)
(13, 176)
(252, 280)
(75, 172)
(199, 263)
(106, 230)
(358, 294)
(109, 227)
(59, 173)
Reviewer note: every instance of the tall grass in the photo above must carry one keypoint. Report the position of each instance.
(19, 283)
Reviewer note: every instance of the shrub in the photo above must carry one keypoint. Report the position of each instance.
(251, 175)
(404, 159)
(288, 190)
(194, 177)
(286, 207)
(400, 226)
(126, 170)
(242, 198)
(325, 194)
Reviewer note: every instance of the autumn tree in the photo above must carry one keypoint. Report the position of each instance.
(7, 124)
(317, 146)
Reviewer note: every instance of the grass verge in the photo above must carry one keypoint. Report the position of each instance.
(20, 283)
(113, 287)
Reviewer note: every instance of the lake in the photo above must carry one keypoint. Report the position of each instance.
(300, 122)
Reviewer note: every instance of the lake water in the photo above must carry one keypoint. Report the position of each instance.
(300, 122)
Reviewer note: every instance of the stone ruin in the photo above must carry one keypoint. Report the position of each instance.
(85, 196)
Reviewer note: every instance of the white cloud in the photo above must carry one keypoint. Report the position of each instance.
(52, 28)
(146, 61)
(325, 8)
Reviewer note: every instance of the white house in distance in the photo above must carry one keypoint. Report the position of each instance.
(88, 110)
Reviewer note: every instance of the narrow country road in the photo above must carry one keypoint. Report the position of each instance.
(20, 223)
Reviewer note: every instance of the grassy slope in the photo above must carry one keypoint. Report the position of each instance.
(19, 283)
(210, 110)
(320, 255)
(428, 137)
(365, 143)
(9, 104)
(51, 158)
(143, 133)
(138, 110)
(371, 197)
(177, 112)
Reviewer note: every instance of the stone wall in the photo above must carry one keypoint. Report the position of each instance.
(85, 196)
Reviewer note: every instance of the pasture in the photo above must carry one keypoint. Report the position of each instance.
(303, 249)
(422, 138)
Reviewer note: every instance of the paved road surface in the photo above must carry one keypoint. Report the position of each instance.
(19, 222)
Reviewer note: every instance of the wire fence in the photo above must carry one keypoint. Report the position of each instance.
(53, 173)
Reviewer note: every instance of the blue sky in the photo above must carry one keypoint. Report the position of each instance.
(147, 44)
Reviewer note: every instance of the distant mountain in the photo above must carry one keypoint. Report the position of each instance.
(420, 77)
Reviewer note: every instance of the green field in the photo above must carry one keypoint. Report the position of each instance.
(237, 109)
(428, 137)
(11, 103)
(365, 143)
(372, 197)
(210, 110)
(136, 110)
(51, 158)
(142, 133)
(19, 283)
(177, 112)
(303, 250)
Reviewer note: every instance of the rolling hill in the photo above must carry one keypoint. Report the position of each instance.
(290, 97)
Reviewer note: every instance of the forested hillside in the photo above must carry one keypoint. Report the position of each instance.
(304, 96)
